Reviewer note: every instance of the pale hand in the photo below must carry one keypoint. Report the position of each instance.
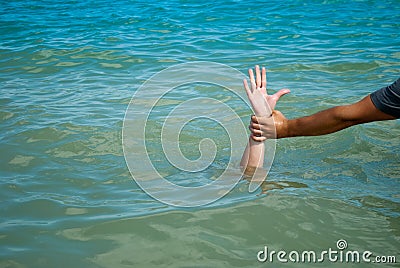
(262, 103)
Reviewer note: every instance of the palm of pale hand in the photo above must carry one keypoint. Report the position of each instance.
(262, 103)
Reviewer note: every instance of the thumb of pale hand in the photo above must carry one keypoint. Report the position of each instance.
(281, 92)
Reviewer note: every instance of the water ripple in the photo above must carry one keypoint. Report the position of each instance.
(68, 70)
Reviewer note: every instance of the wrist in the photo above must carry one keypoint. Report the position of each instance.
(255, 143)
(283, 126)
(262, 114)
(284, 129)
(289, 128)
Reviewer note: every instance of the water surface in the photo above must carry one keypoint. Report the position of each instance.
(68, 71)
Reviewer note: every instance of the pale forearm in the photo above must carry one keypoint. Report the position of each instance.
(257, 151)
(253, 155)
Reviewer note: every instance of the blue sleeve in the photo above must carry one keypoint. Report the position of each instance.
(387, 99)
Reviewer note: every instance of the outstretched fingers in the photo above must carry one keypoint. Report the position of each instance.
(246, 87)
(258, 77)
(264, 78)
(252, 81)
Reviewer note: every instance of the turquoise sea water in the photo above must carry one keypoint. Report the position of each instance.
(68, 70)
